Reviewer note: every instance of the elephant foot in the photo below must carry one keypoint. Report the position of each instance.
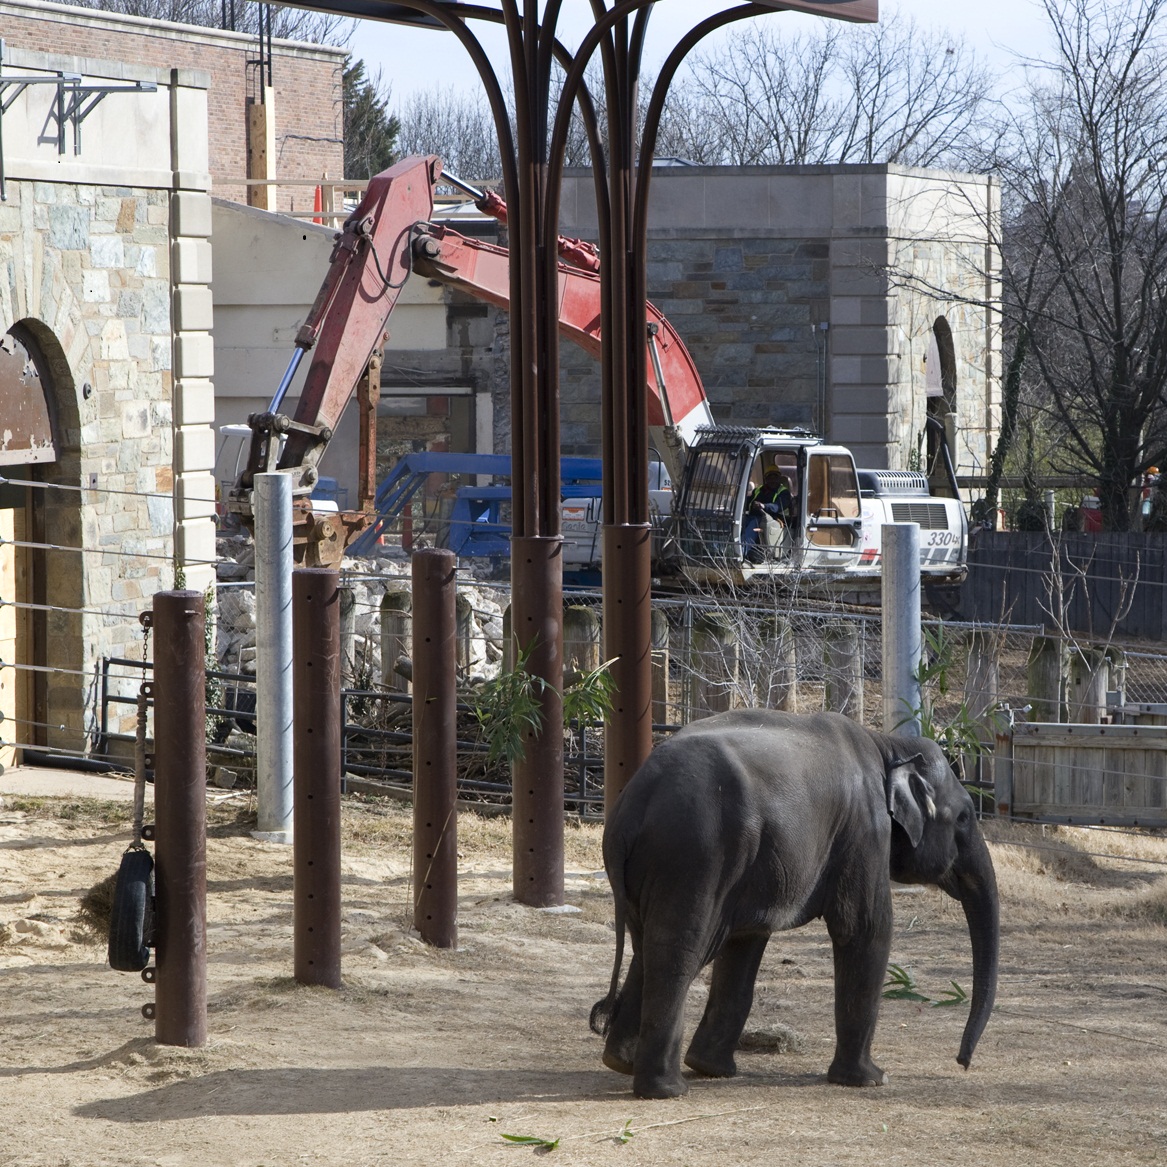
(659, 1086)
(620, 1052)
(710, 1065)
(865, 1073)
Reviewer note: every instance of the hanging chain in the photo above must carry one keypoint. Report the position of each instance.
(145, 691)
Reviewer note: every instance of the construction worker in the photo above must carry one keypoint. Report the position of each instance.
(770, 500)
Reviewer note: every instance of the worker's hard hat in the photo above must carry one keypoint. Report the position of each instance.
(1152, 469)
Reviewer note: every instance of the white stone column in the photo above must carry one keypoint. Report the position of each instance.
(194, 353)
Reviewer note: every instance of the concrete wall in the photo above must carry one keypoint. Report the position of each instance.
(439, 361)
(808, 296)
(105, 261)
(306, 79)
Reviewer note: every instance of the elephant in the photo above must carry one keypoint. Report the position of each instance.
(757, 821)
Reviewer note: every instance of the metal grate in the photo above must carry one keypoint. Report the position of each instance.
(932, 516)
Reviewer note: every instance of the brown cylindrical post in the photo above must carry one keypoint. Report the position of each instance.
(180, 813)
(316, 749)
(537, 780)
(627, 643)
(435, 775)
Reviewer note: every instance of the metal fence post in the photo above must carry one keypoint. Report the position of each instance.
(348, 635)
(180, 786)
(435, 729)
(316, 604)
(902, 636)
(660, 666)
(273, 643)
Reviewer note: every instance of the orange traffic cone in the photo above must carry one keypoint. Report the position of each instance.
(318, 206)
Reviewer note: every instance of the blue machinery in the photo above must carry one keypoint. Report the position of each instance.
(477, 524)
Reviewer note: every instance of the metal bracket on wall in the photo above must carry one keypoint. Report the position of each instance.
(74, 102)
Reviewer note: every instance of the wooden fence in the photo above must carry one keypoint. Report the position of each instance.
(1009, 573)
(1112, 775)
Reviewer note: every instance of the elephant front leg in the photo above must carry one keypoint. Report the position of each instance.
(860, 967)
(731, 996)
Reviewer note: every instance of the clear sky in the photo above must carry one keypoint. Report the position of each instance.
(413, 60)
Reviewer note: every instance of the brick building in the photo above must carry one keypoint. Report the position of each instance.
(305, 97)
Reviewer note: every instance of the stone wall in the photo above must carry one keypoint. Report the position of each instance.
(105, 265)
(808, 296)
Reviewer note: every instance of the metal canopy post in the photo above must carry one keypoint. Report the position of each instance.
(532, 163)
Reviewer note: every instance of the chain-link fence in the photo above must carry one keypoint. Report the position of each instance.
(72, 696)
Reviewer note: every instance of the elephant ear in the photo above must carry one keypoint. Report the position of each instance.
(910, 797)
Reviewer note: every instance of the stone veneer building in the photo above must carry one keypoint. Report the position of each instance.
(853, 300)
(107, 400)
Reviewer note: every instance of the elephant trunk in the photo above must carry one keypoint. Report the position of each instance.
(975, 885)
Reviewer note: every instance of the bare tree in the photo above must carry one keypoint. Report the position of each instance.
(1087, 246)
(455, 126)
(892, 92)
(298, 24)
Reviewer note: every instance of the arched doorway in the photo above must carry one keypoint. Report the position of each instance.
(29, 450)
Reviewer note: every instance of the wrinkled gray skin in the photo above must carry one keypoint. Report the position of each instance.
(756, 821)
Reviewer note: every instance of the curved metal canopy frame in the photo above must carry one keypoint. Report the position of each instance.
(532, 160)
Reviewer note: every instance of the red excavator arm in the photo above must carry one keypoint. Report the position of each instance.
(370, 263)
(385, 238)
(676, 396)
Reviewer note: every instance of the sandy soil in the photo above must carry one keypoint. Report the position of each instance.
(428, 1056)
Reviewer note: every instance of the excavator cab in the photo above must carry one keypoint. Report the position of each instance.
(714, 533)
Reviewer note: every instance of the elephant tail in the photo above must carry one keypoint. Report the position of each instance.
(603, 1011)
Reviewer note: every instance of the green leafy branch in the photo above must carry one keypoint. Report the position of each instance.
(540, 1144)
(510, 706)
(901, 986)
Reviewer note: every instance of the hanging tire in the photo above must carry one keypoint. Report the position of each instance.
(131, 922)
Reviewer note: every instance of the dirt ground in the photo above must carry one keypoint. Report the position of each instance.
(429, 1056)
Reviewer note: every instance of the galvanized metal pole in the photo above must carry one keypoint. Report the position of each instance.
(435, 775)
(903, 643)
(273, 643)
(316, 604)
(180, 791)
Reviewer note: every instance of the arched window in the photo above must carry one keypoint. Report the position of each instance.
(940, 387)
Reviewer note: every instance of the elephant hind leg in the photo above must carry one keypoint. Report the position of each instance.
(731, 996)
(668, 972)
(624, 1021)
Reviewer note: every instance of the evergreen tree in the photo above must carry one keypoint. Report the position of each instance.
(370, 130)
